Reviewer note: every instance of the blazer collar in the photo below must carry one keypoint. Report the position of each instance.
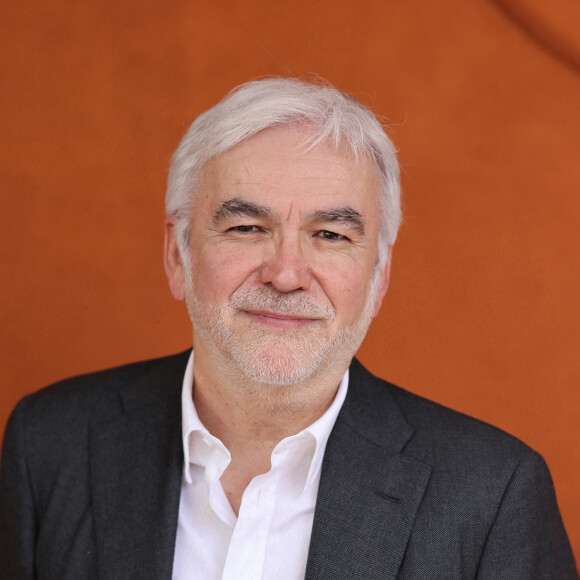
(369, 491)
(136, 466)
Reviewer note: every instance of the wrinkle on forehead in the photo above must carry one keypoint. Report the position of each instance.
(272, 163)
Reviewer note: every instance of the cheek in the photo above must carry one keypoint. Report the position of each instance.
(347, 288)
(217, 274)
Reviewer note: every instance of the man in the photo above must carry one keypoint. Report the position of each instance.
(268, 452)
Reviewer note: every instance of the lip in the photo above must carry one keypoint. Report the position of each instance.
(279, 320)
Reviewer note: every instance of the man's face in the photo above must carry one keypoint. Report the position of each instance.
(283, 249)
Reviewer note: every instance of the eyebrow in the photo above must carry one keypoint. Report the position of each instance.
(238, 207)
(344, 215)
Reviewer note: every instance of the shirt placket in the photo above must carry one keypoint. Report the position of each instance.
(247, 551)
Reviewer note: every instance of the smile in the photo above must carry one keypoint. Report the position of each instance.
(279, 320)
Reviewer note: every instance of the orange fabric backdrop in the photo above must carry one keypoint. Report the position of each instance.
(483, 312)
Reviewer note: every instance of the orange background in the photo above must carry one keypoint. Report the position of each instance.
(483, 97)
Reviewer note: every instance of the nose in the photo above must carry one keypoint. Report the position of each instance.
(286, 268)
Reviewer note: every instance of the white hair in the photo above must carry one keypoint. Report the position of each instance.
(255, 106)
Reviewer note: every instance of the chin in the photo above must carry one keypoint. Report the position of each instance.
(279, 366)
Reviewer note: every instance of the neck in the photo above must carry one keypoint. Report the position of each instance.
(251, 418)
(242, 412)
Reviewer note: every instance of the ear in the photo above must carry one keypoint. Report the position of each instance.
(172, 260)
(383, 285)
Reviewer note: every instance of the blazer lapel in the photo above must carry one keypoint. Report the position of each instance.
(369, 490)
(136, 466)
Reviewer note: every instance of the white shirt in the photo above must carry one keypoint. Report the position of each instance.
(269, 539)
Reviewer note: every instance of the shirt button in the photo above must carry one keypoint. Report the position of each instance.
(207, 441)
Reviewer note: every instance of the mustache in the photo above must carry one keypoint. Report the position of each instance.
(296, 303)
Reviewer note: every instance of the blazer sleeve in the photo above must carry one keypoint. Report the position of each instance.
(17, 507)
(527, 539)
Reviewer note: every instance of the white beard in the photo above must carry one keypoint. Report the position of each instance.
(278, 356)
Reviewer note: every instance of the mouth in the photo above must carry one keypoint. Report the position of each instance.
(279, 320)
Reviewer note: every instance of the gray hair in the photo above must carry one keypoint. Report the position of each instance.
(258, 105)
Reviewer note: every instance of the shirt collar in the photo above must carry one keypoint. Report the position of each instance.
(192, 426)
(193, 431)
(321, 429)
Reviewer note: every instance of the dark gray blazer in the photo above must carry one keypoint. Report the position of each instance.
(91, 475)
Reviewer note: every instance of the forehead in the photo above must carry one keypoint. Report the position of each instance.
(278, 165)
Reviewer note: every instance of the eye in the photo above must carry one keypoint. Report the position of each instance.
(330, 236)
(245, 229)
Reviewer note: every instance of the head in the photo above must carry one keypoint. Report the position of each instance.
(283, 205)
(256, 106)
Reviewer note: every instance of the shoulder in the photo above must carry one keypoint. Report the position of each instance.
(481, 477)
(488, 499)
(441, 436)
(69, 406)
